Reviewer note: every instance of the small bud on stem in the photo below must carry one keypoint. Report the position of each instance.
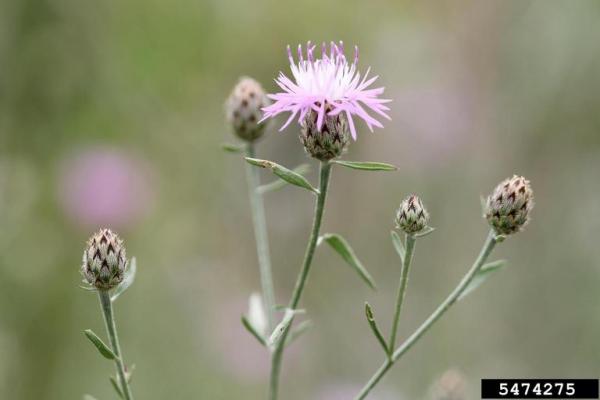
(412, 216)
(104, 260)
(507, 209)
(243, 109)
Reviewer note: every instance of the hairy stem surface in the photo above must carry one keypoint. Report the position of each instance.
(432, 319)
(410, 246)
(111, 329)
(262, 240)
(325, 171)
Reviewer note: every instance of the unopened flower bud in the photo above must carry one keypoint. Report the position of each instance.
(328, 142)
(243, 109)
(411, 216)
(507, 209)
(104, 260)
(450, 386)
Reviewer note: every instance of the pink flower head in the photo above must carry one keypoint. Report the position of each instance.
(329, 80)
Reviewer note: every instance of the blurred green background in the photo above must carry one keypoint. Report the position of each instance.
(111, 113)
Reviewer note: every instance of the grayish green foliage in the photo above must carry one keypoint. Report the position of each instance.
(342, 247)
(127, 280)
(284, 173)
(366, 165)
(99, 344)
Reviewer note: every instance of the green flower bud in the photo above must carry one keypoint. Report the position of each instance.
(104, 260)
(450, 386)
(243, 109)
(328, 143)
(411, 216)
(507, 209)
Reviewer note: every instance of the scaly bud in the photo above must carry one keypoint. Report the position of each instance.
(507, 209)
(328, 142)
(243, 109)
(104, 260)
(411, 216)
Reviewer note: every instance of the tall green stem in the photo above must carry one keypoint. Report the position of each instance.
(261, 237)
(325, 171)
(111, 329)
(410, 245)
(441, 310)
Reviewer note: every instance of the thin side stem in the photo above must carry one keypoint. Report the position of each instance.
(325, 171)
(261, 237)
(432, 319)
(410, 246)
(111, 329)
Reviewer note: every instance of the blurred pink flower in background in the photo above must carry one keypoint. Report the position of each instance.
(345, 391)
(103, 186)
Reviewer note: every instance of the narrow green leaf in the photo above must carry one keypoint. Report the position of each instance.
(280, 183)
(483, 274)
(375, 329)
(280, 329)
(286, 174)
(366, 165)
(127, 280)
(398, 245)
(341, 246)
(232, 148)
(129, 373)
(100, 345)
(298, 331)
(424, 232)
(250, 328)
(116, 386)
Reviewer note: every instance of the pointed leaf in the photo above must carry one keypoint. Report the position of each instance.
(100, 345)
(253, 331)
(484, 273)
(116, 386)
(280, 183)
(129, 372)
(127, 280)
(232, 148)
(286, 174)
(366, 165)
(281, 328)
(398, 245)
(375, 329)
(424, 232)
(341, 246)
(298, 331)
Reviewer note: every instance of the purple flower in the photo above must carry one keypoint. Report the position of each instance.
(329, 86)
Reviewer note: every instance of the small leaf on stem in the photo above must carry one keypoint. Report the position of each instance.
(366, 165)
(115, 386)
(100, 345)
(302, 169)
(424, 232)
(253, 331)
(482, 275)
(342, 247)
(298, 331)
(284, 173)
(232, 148)
(280, 329)
(127, 280)
(375, 329)
(398, 245)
